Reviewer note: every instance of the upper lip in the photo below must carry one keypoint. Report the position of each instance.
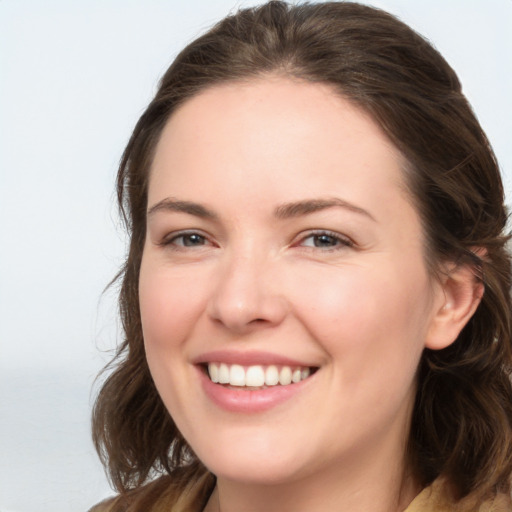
(248, 358)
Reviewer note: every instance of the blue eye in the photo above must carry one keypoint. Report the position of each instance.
(325, 240)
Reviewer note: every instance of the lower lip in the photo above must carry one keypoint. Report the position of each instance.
(250, 401)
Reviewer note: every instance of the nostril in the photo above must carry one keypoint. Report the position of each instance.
(240, 306)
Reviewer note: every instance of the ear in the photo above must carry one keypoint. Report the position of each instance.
(458, 294)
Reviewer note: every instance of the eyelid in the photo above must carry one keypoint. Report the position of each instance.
(344, 240)
(169, 238)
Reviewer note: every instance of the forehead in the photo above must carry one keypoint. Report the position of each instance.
(293, 134)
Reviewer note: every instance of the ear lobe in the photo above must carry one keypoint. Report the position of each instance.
(458, 295)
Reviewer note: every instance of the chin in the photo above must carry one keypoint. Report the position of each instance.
(270, 471)
(260, 461)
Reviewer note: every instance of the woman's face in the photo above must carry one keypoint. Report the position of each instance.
(281, 242)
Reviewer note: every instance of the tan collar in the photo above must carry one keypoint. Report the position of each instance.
(435, 499)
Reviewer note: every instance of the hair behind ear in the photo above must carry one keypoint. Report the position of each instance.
(462, 420)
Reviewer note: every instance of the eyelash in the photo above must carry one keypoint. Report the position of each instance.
(339, 242)
(171, 240)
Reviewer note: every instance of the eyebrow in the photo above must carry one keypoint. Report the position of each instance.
(284, 211)
(298, 208)
(172, 205)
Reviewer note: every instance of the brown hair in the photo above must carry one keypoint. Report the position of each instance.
(462, 420)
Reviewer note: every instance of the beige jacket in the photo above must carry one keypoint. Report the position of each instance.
(195, 496)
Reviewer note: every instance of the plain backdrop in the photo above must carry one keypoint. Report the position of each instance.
(75, 76)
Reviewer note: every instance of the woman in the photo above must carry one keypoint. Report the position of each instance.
(316, 296)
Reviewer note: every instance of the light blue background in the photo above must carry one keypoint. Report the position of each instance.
(74, 78)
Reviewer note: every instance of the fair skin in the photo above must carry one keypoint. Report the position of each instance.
(280, 234)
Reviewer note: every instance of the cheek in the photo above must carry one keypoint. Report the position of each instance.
(366, 317)
(168, 313)
(168, 308)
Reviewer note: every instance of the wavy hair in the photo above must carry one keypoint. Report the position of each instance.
(462, 419)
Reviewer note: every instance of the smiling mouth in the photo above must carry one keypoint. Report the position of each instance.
(256, 376)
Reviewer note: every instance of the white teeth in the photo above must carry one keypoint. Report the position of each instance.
(285, 376)
(271, 375)
(256, 376)
(237, 375)
(223, 374)
(213, 370)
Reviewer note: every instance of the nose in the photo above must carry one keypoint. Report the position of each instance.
(247, 295)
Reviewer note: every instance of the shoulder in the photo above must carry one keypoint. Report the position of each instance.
(501, 503)
(184, 490)
(104, 506)
(145, 497)
(435, 499)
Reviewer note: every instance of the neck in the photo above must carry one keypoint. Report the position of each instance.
(381, 487)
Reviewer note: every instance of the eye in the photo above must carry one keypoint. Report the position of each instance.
(325, 240)
(189, 239)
